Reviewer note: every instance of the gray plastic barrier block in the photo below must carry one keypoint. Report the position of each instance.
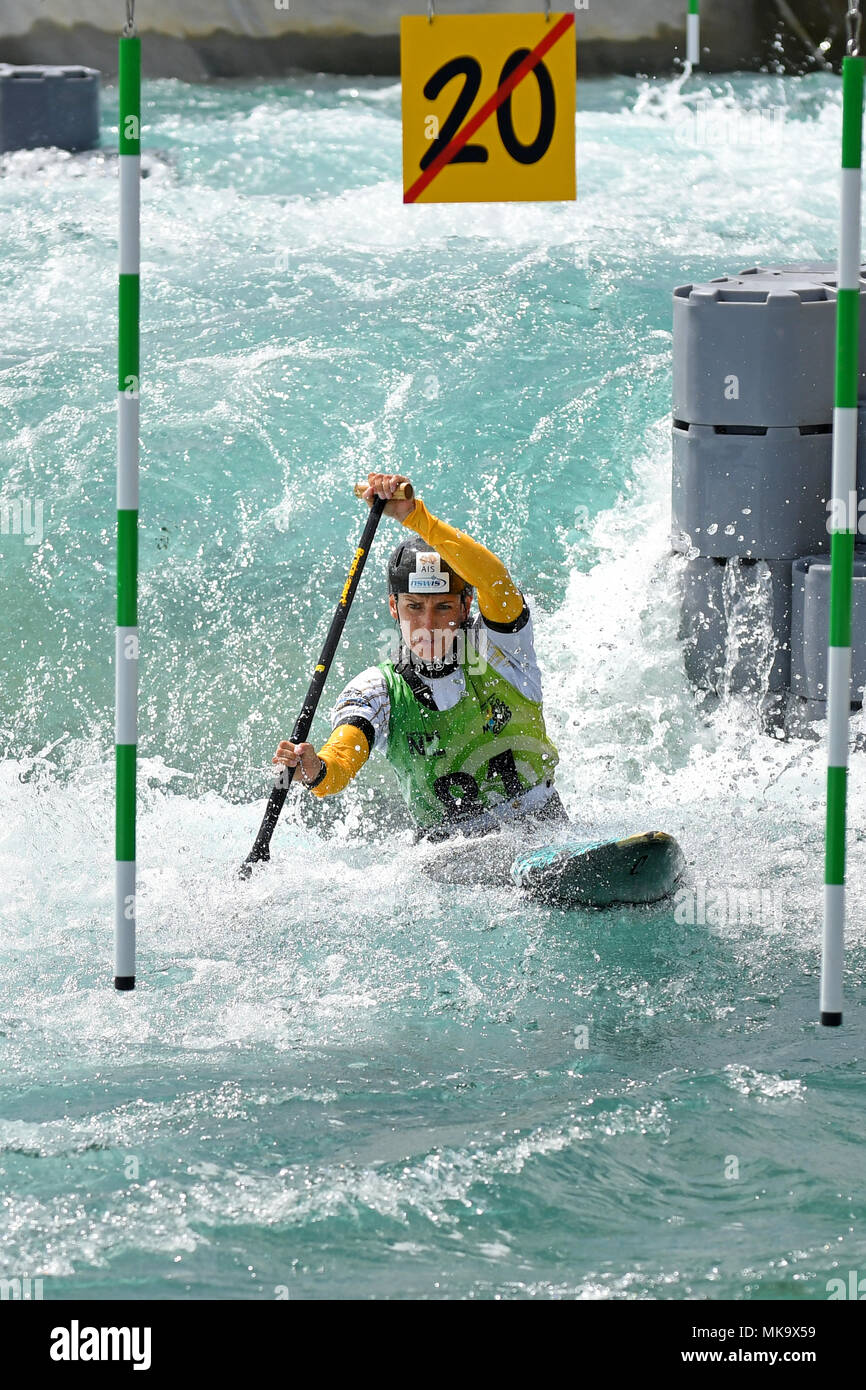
(801, 714)
(735, 623)
(42, 107)
(702, 622)
(762, 495)
(810, 618)
(758, 348)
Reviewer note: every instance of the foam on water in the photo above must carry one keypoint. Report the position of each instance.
(343, 1076)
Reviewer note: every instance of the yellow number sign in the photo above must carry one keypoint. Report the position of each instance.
(488, 108)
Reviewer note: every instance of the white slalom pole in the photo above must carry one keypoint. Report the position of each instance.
(126, 638)
(693, 35)
(843, 534)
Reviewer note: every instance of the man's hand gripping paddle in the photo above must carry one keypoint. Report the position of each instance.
(303, 723)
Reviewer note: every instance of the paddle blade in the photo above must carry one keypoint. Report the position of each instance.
(259, 854)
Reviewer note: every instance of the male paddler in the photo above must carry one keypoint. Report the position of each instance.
(458, 714)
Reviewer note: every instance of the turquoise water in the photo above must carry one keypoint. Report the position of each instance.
(344, 1079)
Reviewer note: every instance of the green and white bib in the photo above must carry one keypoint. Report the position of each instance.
(484, 752)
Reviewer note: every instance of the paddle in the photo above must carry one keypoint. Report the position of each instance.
(303, 723)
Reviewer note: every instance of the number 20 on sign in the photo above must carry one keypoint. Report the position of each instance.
(488, 108)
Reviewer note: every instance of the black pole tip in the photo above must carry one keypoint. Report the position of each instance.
(831, 1020)
(124, 982)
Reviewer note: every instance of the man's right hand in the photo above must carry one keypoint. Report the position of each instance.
(295, 755)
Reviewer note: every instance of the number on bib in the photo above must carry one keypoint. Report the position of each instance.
(459, 794)
(504, 766)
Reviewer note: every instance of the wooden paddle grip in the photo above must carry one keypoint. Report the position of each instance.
(404, 493)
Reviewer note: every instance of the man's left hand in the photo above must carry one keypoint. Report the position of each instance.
(385, 485)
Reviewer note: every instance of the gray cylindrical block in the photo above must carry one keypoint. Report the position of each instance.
(735, 622)
(801, 714)
(810, 620)
(760, 495)
(752, 472)
(758, 348)
(42, 107)
(702, 622)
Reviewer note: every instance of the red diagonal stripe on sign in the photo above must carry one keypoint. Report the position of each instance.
(499, 96)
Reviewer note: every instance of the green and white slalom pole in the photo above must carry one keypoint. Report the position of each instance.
(693, 34)
(126, 640)
(843, 531)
